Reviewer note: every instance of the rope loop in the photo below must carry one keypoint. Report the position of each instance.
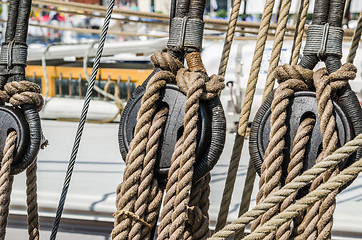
(24, 92)
(286, 72)
(4, 97)
(166, 62)
(212, 86)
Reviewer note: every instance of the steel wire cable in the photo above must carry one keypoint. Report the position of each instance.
(82, 121)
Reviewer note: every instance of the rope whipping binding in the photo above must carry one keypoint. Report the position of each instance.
(82, 120)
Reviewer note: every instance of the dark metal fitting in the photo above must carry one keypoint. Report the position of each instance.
(26, 122)
(210, 137)
(186, 33)
(13, 53)
(302, 104)
(323, 40)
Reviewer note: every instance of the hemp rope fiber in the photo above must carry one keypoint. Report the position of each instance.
(322, 212)
(295, 168)
(185, 217)
(244, 116)
(337, 80)
(356, 40)
(17, 94)
(297, 183)
(291, 79)
(297, 43)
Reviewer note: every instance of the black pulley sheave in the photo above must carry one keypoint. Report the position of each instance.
(186, 32)
(324, 43)
(24, 120)
(210, 136)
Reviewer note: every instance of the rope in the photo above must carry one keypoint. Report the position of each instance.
(185, 206)
(32, 203)
(195, 82)
(270, 179)
(82, 121)
(297, 43)
(147, 178)
(244, 116)
(295, 168)
(229, 37)
(299, 182)
(168, 206)
(129, 190)
(333, 184)
(356, 40)
(277, 47)
(6, 181)
(322, 211)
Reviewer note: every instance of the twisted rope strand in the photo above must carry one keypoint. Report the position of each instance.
(244, 118)
(318, 220)
(127, 195)
(333, 184)
(295, 168)
(168, 203)
(147, 176)
(31, 200)
(272, 165)
(299, 182)
(355, 42)
(6, 181)
(299, 33)
(277, 47)
(229, 37)
(189, 154)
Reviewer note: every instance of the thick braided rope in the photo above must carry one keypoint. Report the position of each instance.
(297, 183)
(6, 181)
(272, 165)
(24, 92)
(277, 46)
(31, 200)
(128, 189)
(140, 230)
(299, 33)
(318, 220)
(333, 184)
(229, 37)
(179, 215)
(355, 42)
(295, 168)
(245, 114)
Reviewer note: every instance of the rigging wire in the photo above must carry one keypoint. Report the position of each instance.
(82, 120)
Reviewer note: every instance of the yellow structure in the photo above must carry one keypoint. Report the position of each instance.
(134, 76)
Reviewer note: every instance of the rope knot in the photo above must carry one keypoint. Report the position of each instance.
(24, 92)
(286, 72)
(4, 97)
(166, 62)
(211, 86)
(340, 78)
(335, 80)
